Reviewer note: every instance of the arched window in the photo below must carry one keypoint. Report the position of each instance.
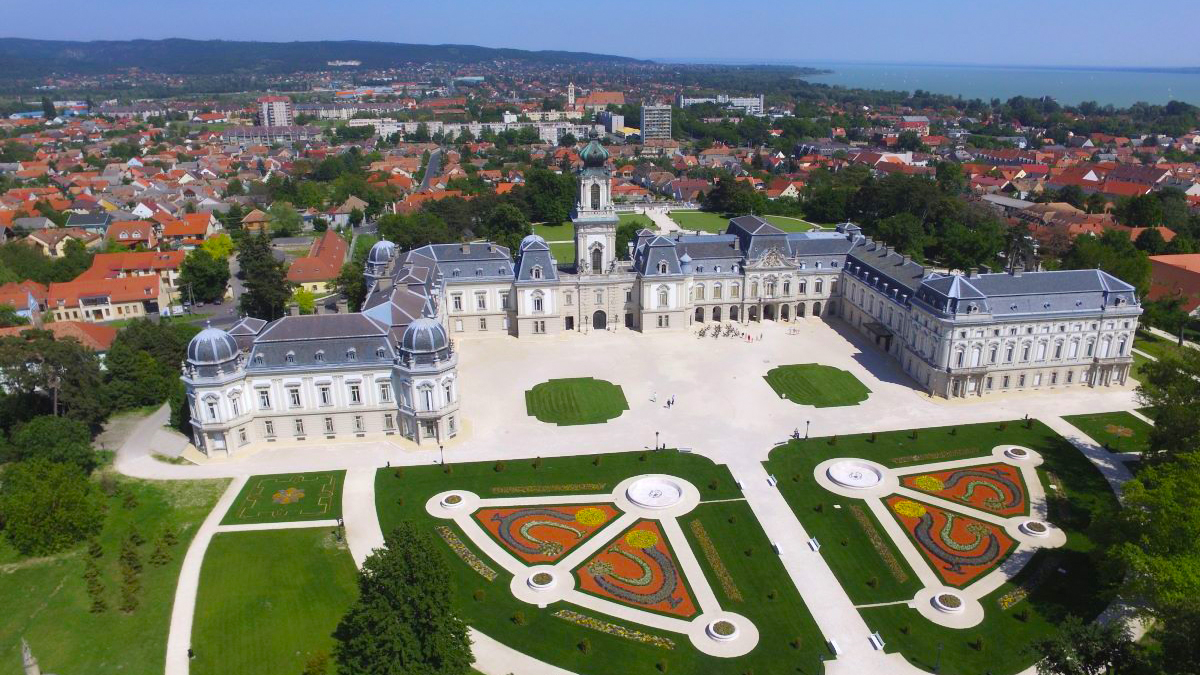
(1121, 346)
(380, 353)
(664, 298)
(754, 289)
(537, 301)
(597, 258)
(448, 390)
(595, 196)
(787, 286)
(536, 272)
(352, 354)
(699, 294)
(662, 267)
(210, 404)
(290, 357)
(958, 357)
(426, 397)
(235, 404)
(735, 291)
(319, 357)
(802, 288)
(258, 359)
(771, 288)
(716, 291)
(819, 285)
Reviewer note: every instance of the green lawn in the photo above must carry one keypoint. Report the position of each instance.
(564, 253)
(817, 385)
(780, 620)
(270, 599)
(1158, 347)
(46, 600)
(1082, 590)
(1116, 431)
(565, 231)
(717, 223)
(288, 497)
(577, 400)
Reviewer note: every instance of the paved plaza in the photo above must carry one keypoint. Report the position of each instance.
(723, 409)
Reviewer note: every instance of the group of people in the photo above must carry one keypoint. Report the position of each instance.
(726, 330)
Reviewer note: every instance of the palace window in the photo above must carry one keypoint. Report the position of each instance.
(351, 354)
(358, 423)
(802, 288)
(717, 292)
(235, 404)
(820, 283)
(448, 390)
(662, 267)
(294, 397)
(426, 398)
(329, 425)
(355, 394)
(536, 273)
(319, 357)
(264, 399)
(299, 426)
(389, 422)
(480, 301)
(212, 409)
(385, 392)
(290, 357)
(663, 298)
(537, 301)
(457, 302)
(268, 428)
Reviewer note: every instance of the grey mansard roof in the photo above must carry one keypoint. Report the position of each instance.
(1030, 293)
(321, 341)
(536, 254)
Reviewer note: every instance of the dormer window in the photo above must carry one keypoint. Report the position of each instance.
(662, 267)
(351, 355)
(380, 353)
(319, 357)
(290, 357)
(258, 359)
(535, 273)
(456, 273)
(478, 271)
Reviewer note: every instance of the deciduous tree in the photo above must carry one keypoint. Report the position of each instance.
(403, 620)
(48, 506)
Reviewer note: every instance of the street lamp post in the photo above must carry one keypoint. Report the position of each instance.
(656, 440)
(806, 423)
(442, 453)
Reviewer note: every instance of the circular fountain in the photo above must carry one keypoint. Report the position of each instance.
(854, 474)
(1035, 528)
(654, 492)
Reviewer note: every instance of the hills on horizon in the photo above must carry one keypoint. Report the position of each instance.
(23, 57)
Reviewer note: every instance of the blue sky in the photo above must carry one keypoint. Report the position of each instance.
(1019, 32)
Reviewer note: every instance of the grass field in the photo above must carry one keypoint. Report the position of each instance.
(565, 231)
(717, 223)
(1117, 431)
(817, 385)
(1158, 347)
(1080, 589)
(288, 497)
(577, 400)
(564, 253)
(768, 597)
(46, 600)
(269, 600)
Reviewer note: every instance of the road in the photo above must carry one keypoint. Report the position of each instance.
(434, 168)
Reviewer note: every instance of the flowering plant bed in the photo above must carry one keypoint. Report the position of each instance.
(889, 559)
(539, 534)
(465, 554)
(997, 488)
(724, 628)
(959, 548)
(288, 497)
(714, 561)
(614, 629)
(539, 489)
(639, 569)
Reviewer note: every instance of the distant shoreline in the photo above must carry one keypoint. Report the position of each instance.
(830, 66)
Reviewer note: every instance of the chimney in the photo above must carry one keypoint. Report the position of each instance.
(466, 247)
(1017, 270)
(973, 273)
(343, 305)
(293, 310)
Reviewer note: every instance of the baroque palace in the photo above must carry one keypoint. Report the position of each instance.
(391, 369)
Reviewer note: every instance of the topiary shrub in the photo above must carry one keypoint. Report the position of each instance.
(518, 618)
(537, 462)
(498, 467)
(479, 595)
(585, 646)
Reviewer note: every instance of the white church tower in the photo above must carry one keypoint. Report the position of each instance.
(571, 96)
(594, 218)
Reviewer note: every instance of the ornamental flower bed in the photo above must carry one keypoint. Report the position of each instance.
(724, 628)
(465, 554)
(614, 629)
(889, 559)
(935, 456)
(638, 569)
(714, 561)
(541, 534)
(996, 488)
(951, 601)
(535, 489)
(960, 549)
(1016, 595)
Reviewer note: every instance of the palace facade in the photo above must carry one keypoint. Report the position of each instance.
(391, 368)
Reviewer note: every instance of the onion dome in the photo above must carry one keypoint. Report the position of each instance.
(381, 253)
(594, 155)
(424, 336)
(212, 346)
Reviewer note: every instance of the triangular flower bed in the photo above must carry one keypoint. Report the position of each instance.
(639, 569)
(544, 534)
